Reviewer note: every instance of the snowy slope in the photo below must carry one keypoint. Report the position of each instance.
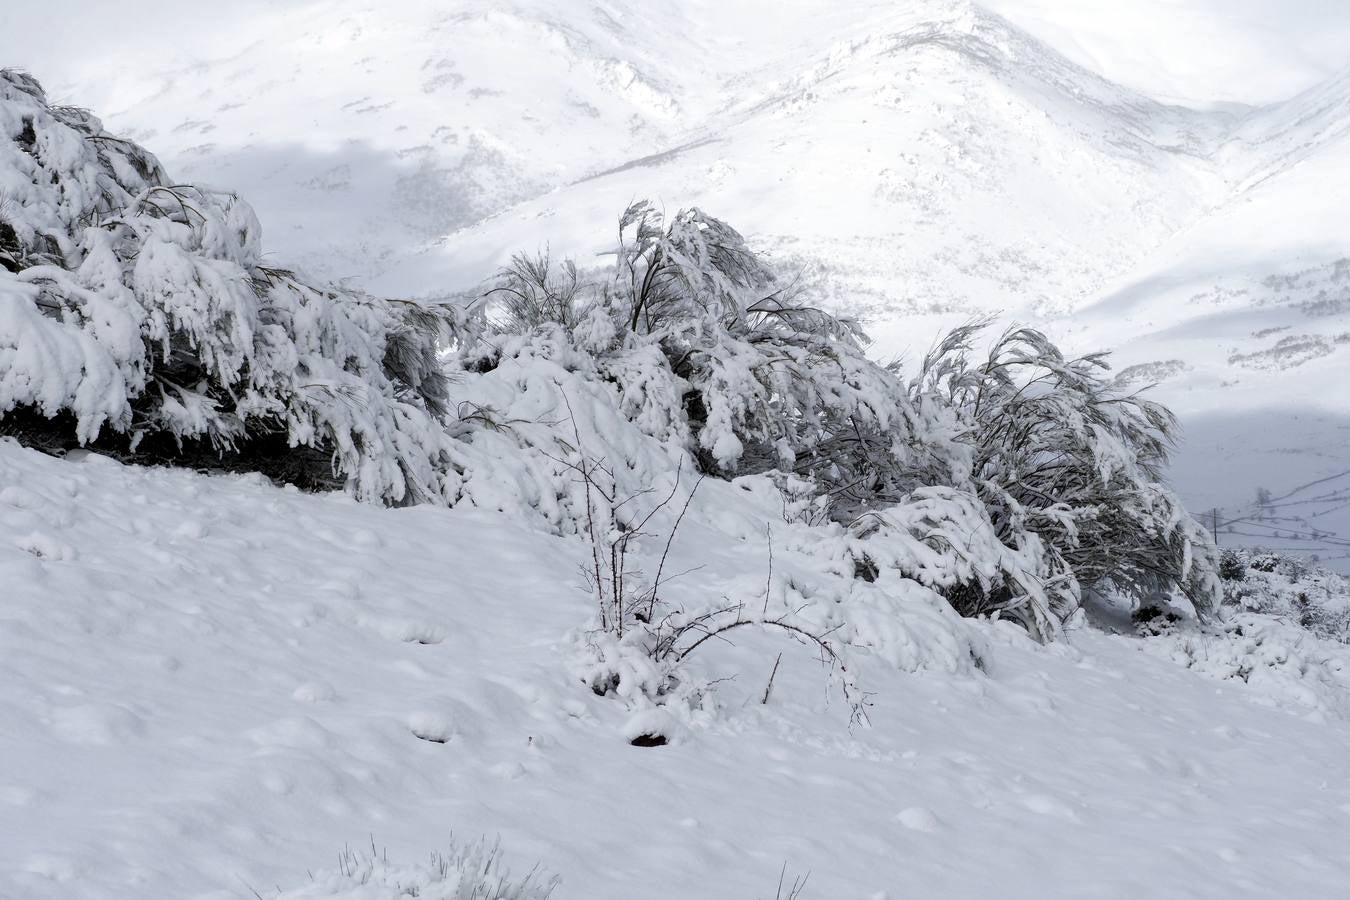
(931, 159)
(1245, 320)
(921, 156)
(363, 134)
(211, 686)
(1195, 52)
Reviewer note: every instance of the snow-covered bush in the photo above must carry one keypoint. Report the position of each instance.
(1282, 663)
(138, 313)
(1288, 588)
(471, 872)
(1069, 468)
(946, 539)
(1283, 630)
(536, 411)
(712, 349)
(1009, 484)
(643, 639)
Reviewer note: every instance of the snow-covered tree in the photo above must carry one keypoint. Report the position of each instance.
(134, 309)
(1009, 484)
(750, 379)
(1059, 454)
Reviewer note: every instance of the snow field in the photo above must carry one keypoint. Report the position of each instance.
(210, 683)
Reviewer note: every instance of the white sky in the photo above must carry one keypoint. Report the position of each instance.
(1197, 51)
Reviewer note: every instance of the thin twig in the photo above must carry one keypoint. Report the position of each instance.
(768, 579)
(768, 688)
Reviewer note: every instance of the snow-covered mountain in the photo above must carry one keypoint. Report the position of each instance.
(1264, 273)
(926, 157)
(932, 160)
(364, 134)
(215, 687)
(1244, 319)
(1195, 52)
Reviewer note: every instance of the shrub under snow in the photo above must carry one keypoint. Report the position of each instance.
(1285, 663)
(472, 872)
(711, 350)
(1010, 485)
(1283, 630)
(1288, 588)
(132, 306)
(1068, 468)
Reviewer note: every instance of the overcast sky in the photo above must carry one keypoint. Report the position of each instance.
(1198, 51)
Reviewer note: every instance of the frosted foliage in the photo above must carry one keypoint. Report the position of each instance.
(713, 349)
(1004, 486)
(1061, 456)
(472, 872)
(1312, 597)
(776, 380)
(1007, 486)
(142, 307)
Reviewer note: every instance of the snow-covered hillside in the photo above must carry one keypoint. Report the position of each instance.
(956, 636)
(931, 161)
(212, 686)
(889, 148)
(365, 135)
(1262, 283)
(1244, 319)
(1196, 52)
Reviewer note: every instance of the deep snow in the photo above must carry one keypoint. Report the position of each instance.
(211, 685)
